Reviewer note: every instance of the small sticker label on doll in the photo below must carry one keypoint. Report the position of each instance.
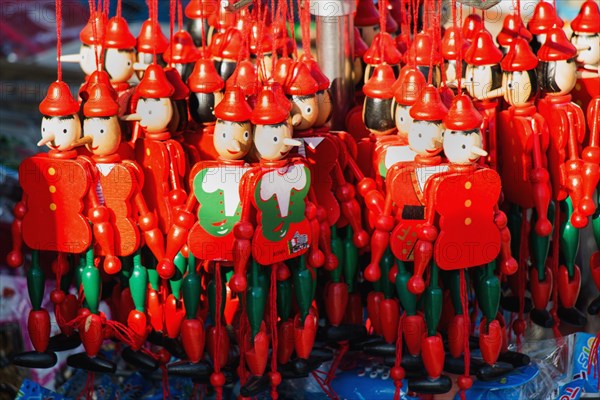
(298, 243)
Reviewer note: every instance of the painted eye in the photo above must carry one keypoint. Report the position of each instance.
(308, 110)
(402, 119)
(150, 112)
(129, 63)
(64, 131)
(101, 130)
(453, 132)
(246, 135)
(224, 135)
(420, 135)
(463, 146)
(43, 129)
(275, 139)
(510, 85)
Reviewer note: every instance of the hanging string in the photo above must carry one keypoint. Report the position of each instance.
(218, 327)
(415, 11)
(153, 11)
(274, 333)
(58, 40)
(432, 51)
(119, 8)
(382, 21)
(94, 32)
(305, 26)
(518, 4)
(464, 299)
(292, 21)
(172, 28)
(179, 16)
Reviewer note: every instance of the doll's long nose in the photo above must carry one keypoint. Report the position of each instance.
(46, 139)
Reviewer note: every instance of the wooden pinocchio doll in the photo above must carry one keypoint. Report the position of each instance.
(453, 48)
(161, 158)
(523, 141)
(182, 54)
(512, 27)
(483, 76)
(366, 20)
(215, 190)
(56, 187)
(544, 17)
(151, 40)
(285, 228)
(206, 87)
(465, 200)
(92, 42)
(566, 123)
(586, 33)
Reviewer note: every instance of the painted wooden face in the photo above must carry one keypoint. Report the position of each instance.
(590, 55)
(558, 77)
(403, 120)
(425, 137)
(304, 111)
(368, 33)
(155, 114)
(460, 146)
(481, 79)
(88, 58)
(324, 107)
(377, 115)
(232, 140)
(61, 131)
(119, 64)
(519, 87)
(270, 141)
(105, 133)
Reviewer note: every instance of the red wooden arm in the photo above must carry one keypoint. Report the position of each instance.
(508, 264)
(178, 233)
(380, 240)
(153, 236)
(177, 195)
(316, 258)
(426, 236)
(331, 261)
(242, 232)
(540, 178)
(574, 165)
(104, 234)
(591, 158)
(345, 193)
(15, 257)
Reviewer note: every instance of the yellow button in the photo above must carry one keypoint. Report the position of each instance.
(148, 152)
(52, 189)
(467, 221)
(51, 171)
(468, 203)
(468, 185)
(52, 207)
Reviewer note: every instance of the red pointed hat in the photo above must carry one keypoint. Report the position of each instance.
(118, 35)
(204, 78)
(244, 77)
(483, 51)
(420, 51)
(97, 77)
(280, 96)
(282, 69)
(268, 111)
(360, 47)
(228, 45)
(588, 19)
(184, 50)
(429, 105)
(519, 57)
(316, 72)
(557, 46)
(471, 26)
(100, 102)
(390, 24)
(181, 90)
(544, 17)
(379, 85)
(511, 29)
(87, 33)
(409, 86)
(260, 37)
(301, 82)
(151, 37)
(59, 101)
(462, 116)
(451, 48)
(391, 55)
(154, 84)
(201, 9)
(233, 107)
(366, 14)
